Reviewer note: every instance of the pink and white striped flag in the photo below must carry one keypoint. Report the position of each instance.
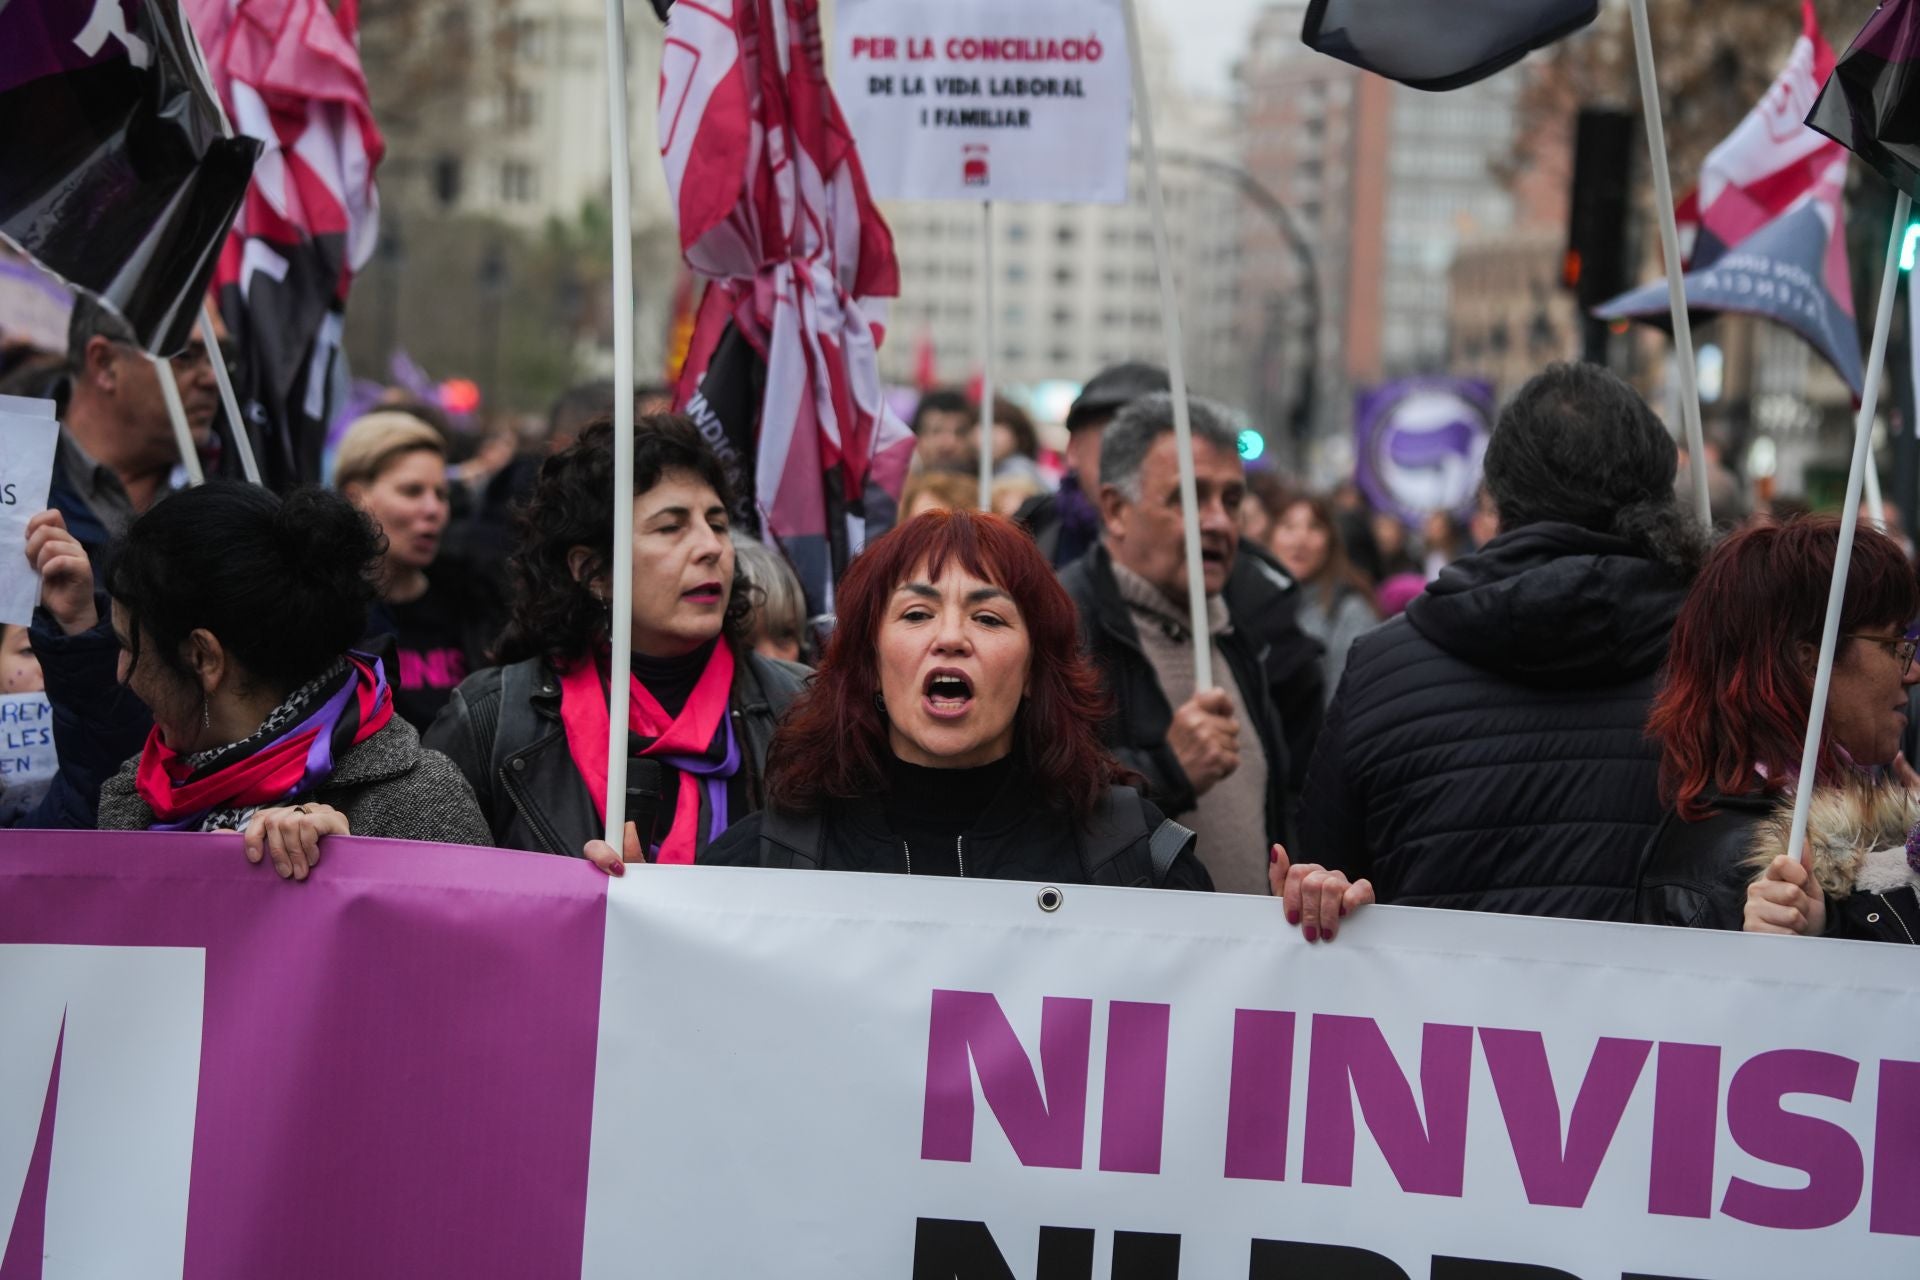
(775, 213)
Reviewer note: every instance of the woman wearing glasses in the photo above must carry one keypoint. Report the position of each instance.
(1732, 718)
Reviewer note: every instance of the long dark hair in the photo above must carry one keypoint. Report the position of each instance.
(834, 742)
(1577, 444)
(282, 583)
(554, 615)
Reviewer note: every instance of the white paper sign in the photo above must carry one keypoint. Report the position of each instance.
(29, 436)
(820, 1075)
(989, 100)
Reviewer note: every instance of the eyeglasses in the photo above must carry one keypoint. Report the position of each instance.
(1901, 647)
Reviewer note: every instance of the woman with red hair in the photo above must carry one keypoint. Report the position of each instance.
(1733, 714)
(951, 731)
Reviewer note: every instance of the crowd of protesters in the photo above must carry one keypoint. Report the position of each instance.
(1568, 701)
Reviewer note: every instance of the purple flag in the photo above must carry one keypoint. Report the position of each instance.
(1870, 104)
(1439, 44)
(1419, 443)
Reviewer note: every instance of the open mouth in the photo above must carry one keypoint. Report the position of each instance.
(948, 692)
(705, 593)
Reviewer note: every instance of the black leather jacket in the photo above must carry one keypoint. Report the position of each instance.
(503, 730)
(1695, 875)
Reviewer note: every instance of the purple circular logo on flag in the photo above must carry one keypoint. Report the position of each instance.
(1418, 444)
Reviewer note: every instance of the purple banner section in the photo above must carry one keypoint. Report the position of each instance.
(397, 1056)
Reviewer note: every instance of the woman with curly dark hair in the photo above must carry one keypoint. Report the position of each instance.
(531, 733)
(952, 732)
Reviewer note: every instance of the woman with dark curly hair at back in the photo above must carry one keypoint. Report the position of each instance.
(531, 734)
(236, 613)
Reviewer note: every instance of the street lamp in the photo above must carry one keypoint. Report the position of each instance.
(1300, 421)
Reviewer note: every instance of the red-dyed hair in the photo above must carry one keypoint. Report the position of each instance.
(1736, 693)
(833, 743)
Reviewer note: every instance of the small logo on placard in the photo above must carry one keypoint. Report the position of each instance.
(973, 168)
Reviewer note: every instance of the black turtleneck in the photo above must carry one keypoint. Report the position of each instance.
(929, 809)
(671, 680)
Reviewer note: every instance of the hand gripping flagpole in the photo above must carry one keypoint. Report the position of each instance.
(1849, 521)
(986, 355)
(1676, 273)
(621, 585)
(1176, 362)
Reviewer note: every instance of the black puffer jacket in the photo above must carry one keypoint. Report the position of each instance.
(503, 730)
(1486, 751)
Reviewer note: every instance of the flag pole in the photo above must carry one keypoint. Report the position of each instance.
(986, 355)
(1876, 505)
(242, 438)
(620, 624)
(1849, 521)
(177, 415)
(1670, 249)
(1176, 361)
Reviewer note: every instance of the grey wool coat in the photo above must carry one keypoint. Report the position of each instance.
(388, 786)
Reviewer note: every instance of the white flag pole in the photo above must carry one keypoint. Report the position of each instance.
(1176, 361)
(621, 586)
(986, 355)
(1876, 505)
(242, 439)
(1849, 520)
(1670, 248)
(177, 415)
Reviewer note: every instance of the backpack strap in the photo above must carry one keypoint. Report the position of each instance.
(791, 840)
(1168, 841)
(1117, 849)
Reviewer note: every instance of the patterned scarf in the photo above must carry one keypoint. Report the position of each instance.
(698, 742)
(289, 755)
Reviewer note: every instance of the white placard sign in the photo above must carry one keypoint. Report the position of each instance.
(988, 100)
(29, 437)
(823, 1075)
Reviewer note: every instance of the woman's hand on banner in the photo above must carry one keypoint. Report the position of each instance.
(66, 575)
(290, 836)
(1315, 897)
(601, 854)
(1787, 898)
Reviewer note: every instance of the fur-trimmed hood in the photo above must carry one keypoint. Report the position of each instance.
(1856, 835)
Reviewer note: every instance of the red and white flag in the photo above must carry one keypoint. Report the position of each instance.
(775, 213)
(288, 72)
(1769, 161)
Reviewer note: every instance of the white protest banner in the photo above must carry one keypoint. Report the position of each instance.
(29, 436)
(834, 1075)
(28, 761)
(987, 100)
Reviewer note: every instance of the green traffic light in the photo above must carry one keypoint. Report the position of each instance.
(1251, 444)
(1910, 246)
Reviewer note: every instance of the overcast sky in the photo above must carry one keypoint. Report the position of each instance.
(1209, 36)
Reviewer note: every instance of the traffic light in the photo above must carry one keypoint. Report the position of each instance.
(1909, 246)
(1252, 444)
(1596, 264)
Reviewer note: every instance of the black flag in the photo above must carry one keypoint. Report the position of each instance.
(1439, 44)
(1871, 102)
(114, 174)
